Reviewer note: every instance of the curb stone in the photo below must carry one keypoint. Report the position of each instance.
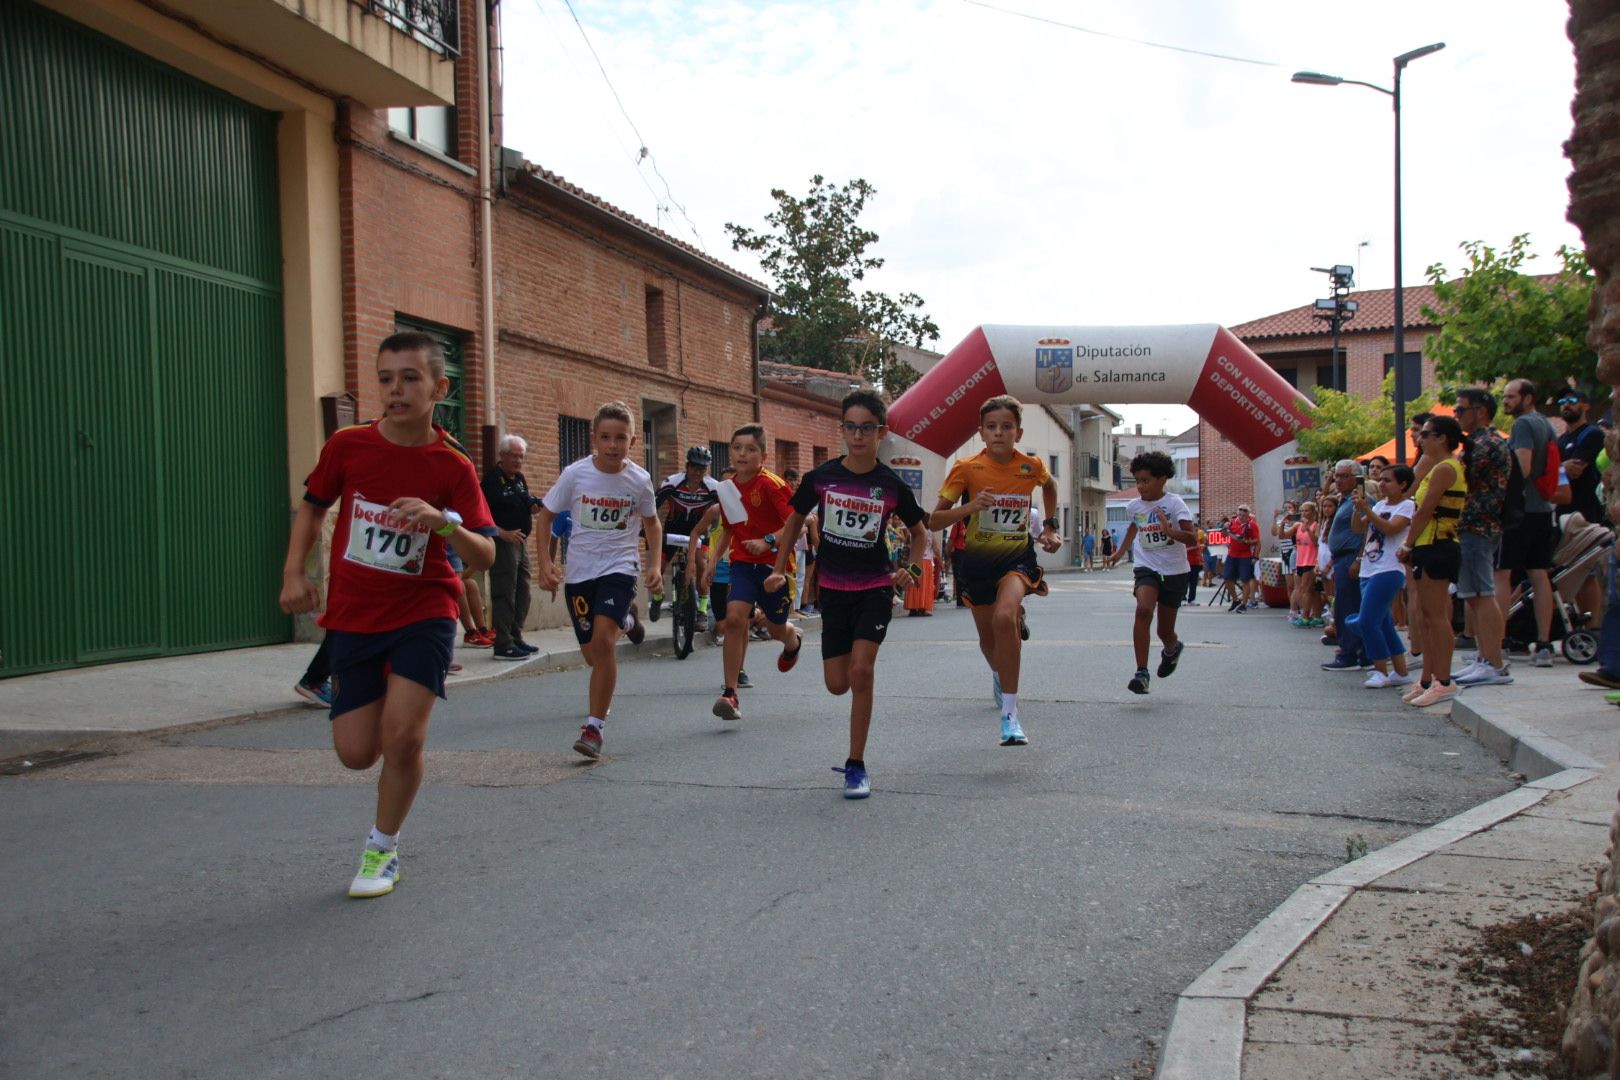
(15, 745)
(1209, 1021)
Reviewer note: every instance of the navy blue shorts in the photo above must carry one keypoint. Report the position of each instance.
(609, 595)
(361, 663)
(1240, 568)
(748, 587)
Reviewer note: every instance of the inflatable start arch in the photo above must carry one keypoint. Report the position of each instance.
(1204, 367)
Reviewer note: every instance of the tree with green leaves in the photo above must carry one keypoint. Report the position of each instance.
(816, 251)
(1498, 322)
(1343, 426)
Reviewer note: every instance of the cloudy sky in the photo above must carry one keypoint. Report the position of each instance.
(1029, 172)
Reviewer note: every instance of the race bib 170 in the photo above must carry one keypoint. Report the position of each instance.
(382, 541)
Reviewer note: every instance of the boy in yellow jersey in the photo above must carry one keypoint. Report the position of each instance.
(994, 489)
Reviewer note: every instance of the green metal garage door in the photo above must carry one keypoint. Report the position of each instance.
(142, 418)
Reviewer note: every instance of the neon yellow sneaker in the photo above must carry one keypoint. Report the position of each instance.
(379, 873)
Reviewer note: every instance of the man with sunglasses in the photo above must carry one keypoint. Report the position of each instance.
(1579, 448)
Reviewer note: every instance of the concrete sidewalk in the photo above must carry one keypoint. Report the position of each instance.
(63, 708)
(1357, 974)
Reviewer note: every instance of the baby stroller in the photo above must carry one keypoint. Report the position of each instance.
(1581, 550)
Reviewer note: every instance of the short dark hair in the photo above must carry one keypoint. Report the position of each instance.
(865, 399)
(416, 341)
(756, 431)
(1154, 463)
(1479, 398)
(1528, 389)
(1401, 474)
(790, 474)
(1419, 419)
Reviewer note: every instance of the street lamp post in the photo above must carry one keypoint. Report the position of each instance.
(1316, 78)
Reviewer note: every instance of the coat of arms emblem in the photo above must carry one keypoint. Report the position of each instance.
(1054, 365)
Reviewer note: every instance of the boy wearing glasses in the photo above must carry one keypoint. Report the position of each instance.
(854, 497)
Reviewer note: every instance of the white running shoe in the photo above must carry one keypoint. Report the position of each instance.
(379, 872)
(1471, 674)
(1393, 679)
(1376, 681)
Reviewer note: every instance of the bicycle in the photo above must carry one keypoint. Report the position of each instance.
(683, 605)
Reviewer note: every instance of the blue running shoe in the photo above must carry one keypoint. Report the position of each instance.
(1012, 733)
(316, 695)
(856, 785)
(995, 687)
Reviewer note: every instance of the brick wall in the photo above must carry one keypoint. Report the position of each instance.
(410, 235)
(572, 315)
(1226, 476)
(807, 423)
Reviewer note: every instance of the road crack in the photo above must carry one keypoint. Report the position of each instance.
(313, 1024)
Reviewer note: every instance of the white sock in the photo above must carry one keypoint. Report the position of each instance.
(1009, 704)
(381, 840)
(593, 722)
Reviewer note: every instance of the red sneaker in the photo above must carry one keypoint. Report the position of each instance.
(790, 657)
(726, 707)
(589, 742)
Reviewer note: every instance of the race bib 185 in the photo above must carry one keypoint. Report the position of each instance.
(383, 542)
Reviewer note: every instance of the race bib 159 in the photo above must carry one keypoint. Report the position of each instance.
(851, 517)
(382, 541)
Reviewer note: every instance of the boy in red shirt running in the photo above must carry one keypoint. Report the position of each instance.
(405, 491)
(753, 545)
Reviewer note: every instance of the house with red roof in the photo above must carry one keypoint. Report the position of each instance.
(1300, 348)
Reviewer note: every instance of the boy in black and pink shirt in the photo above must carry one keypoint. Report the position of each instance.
(406, 493)
(854, 497)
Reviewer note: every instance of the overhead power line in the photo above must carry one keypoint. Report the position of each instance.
(1123, 37)
(644, 154)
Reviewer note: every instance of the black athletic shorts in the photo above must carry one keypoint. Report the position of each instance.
(980, 590)
(361, 663)
(1439, 560)
(851, 615)
(609, 595)
(1529, 544)
(1172, 587)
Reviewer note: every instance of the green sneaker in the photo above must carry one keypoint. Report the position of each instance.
(379, 873)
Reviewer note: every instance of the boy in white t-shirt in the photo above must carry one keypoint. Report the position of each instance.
(1161, 528)
(605, 493)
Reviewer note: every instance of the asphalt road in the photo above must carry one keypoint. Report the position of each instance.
(704, 903)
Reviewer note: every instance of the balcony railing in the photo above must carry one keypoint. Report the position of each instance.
(435, 23)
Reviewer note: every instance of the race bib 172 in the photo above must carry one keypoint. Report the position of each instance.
(382, 541)
(1009, 515)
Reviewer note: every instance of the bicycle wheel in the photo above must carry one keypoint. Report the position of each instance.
(683, 617)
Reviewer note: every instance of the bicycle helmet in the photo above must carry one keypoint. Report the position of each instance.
(699, 455)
